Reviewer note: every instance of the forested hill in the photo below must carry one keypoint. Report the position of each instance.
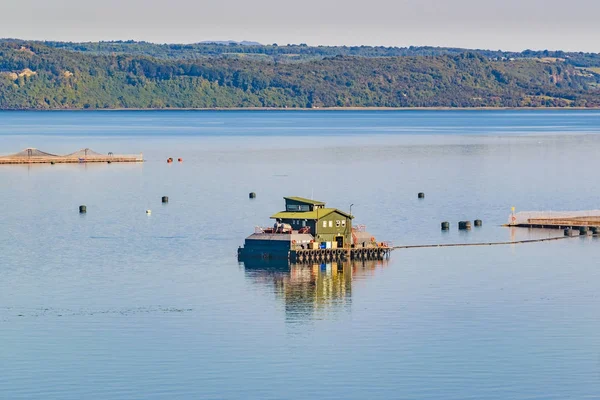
(34, 75)
(302, 52)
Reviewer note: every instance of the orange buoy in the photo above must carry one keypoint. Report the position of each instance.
(180, 159)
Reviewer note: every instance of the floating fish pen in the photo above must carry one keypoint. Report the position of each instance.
(555, 220)
(35, 156)
(307, 232)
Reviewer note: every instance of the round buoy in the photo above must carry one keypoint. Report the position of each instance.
(421, 195)
(180, 159)
(82, 209)
(148, 212)
(52, 163)
(165, 199)
(108, 162)
(252, 195)
(445, 225)
(478, 222)
(464, 225)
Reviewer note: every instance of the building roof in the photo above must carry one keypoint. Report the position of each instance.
(305, 200)
(322, 212)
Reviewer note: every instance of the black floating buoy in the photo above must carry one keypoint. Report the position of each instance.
(478, 222)
(52, 163)
(82, 209)
(108, 162)
(165, 199)
(252, 195)
(464, 225)
(421, 195)
(571, 232)
(445, 225)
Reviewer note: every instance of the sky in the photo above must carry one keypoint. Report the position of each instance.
(511, 25)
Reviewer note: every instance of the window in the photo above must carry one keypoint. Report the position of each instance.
(344, 223)
(337, 223)
(331, 224)
(324, 224)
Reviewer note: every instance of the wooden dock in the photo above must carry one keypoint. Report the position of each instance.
(35, 156)
(324, 255)
(556, 220)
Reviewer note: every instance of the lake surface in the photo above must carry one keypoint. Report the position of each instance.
(116, 304)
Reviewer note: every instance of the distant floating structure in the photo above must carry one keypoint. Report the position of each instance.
(555, 220)
(35, 156)
(307, 231)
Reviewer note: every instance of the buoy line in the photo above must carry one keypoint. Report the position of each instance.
(423, 246)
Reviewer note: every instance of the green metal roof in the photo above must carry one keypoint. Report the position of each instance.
(305, 201)
(322, 212)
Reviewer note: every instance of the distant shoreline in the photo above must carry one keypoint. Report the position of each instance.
(318, 109)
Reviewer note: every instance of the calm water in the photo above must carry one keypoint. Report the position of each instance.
(116, 304)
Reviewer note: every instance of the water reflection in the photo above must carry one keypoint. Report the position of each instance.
(311, 290)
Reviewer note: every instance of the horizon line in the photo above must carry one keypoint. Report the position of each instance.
(274, 44)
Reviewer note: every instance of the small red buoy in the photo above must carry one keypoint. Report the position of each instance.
(180, 159)
(169, 160)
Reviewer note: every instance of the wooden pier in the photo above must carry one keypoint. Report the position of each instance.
(35, 156)
(557, 220)
(324, 255)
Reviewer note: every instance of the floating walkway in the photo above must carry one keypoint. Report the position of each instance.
(35, 156)
(575, 220)
(320, 255)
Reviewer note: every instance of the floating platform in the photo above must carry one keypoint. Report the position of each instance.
(556, 220)
(324, 255)
(35, 156)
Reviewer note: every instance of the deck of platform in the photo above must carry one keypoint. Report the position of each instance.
(323, 255)
(578, 219)
(69, 160)
(35, 156)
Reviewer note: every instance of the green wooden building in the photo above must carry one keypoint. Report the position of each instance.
(325, 224)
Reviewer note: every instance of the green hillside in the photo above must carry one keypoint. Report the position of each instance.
(35, 75)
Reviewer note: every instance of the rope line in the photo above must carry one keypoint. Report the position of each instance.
(423, 246)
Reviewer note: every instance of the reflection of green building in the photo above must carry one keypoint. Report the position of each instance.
(307, 290)
(325, 224)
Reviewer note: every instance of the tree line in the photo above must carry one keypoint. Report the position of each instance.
(62, 78)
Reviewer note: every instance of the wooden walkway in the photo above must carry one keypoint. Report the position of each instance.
(69, 160)
(35, 156)
(559, 223)
(324, 255)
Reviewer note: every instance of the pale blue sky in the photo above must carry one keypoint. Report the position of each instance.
(493, 24)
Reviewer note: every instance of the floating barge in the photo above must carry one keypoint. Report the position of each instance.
(307, 231)
(35, 156)
(576, 220)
